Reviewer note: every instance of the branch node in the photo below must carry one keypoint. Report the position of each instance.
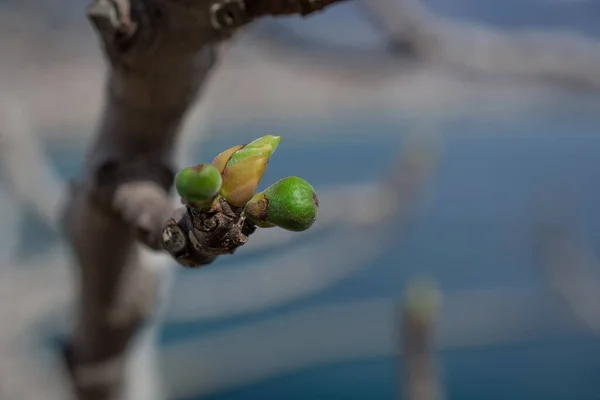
(104, 16)
(228, 15)
(112, 19)
(195, 238)
(174, 240)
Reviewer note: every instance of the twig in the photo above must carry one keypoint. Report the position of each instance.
(420, 378)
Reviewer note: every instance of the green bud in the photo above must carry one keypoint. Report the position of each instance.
(290, 203)
(198, 185)
(422, 299)
(242, 168)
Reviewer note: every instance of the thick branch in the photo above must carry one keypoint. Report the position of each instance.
(160, 52)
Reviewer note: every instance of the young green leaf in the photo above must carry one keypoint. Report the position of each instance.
(242, 168)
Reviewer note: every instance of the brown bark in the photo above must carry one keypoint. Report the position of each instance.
(159, 53)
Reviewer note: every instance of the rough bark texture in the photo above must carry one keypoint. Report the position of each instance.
(159, 53)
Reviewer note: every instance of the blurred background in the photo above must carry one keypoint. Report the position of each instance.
(452, 140)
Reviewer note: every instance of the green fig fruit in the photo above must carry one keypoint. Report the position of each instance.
(290, 203)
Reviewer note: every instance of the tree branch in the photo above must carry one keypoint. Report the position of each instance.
(569, 266)
(561, 56)
(414, 34)
(160, 53)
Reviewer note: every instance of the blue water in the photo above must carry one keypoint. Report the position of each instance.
(546, 371)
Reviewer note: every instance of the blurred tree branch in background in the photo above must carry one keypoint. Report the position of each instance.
(420, 379)
(569, 263)
(159, 53)
(414, 34)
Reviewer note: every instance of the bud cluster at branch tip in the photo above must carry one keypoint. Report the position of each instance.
(290, 203)
(234, 175)
(242, 167)
(199, 185)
